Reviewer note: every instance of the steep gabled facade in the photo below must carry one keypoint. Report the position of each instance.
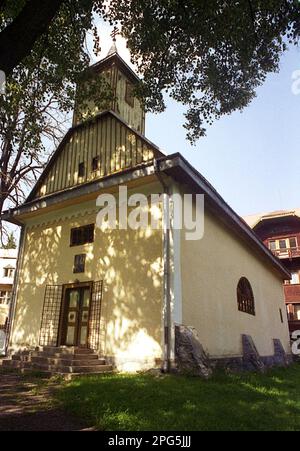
(91, 151)
(8, 261)
(121, 293)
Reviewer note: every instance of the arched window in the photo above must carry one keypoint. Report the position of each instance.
(245, 297)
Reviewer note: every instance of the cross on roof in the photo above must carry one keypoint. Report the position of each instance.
(115, 33)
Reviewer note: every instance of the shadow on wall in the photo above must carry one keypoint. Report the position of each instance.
(42, 256)
(129, 262)
(132, 308)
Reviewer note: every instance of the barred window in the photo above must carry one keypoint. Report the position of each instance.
(82, 235)
(245, 297)
(79, 263)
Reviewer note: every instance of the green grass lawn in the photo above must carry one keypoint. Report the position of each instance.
(226, 402)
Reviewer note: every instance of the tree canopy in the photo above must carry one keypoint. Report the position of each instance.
(210, 56)
(10, 242)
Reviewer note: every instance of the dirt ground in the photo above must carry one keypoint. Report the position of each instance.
(26, 405)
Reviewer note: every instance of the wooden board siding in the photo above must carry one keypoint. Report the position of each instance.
(117, 147)
(292, 293)
(133, 115)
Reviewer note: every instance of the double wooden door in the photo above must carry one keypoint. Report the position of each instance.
(75, 324)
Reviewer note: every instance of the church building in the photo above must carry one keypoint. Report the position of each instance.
(122, 297)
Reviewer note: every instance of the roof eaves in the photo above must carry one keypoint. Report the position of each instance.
(229, 213)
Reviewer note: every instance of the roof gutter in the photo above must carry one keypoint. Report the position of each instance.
(166, 265)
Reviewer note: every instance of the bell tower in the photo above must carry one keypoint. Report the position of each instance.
(122, 79)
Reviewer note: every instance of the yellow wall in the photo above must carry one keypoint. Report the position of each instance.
(129, 262)
(211, 269)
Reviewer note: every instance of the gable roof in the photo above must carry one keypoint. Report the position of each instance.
(115, 58)
(71, 133)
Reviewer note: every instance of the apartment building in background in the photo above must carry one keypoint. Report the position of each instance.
(8, 262)
(280, 232)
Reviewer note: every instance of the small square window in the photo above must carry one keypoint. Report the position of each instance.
(79, 263)
(295, 278)
(272, 245)
(8, 272)
(5, 297)
(282, 244)
(95, 164)
(82, 235)
(81, 170)
(293, 243)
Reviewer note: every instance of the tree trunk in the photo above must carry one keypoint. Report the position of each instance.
(18, 38)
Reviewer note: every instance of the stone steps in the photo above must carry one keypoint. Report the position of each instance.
(66, 349)
(65, 376)
(63, 355)
(62, 361)
(67, 361)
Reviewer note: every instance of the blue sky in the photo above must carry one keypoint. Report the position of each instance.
(252, 158)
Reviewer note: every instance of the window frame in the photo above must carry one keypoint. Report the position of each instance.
(245, 297)
(295, 275)
(81, 170)
(8, 273)
(79, 266)
(5, 297)
(85, 235)
(287, 241)
(96, 159)
(272, 241)
(292, 311)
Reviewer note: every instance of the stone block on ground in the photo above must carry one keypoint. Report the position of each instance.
(190, 356)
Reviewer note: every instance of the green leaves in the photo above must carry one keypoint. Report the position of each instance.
(40, 92)
(210, 56)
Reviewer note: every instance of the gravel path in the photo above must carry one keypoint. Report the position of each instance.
(25, 405)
